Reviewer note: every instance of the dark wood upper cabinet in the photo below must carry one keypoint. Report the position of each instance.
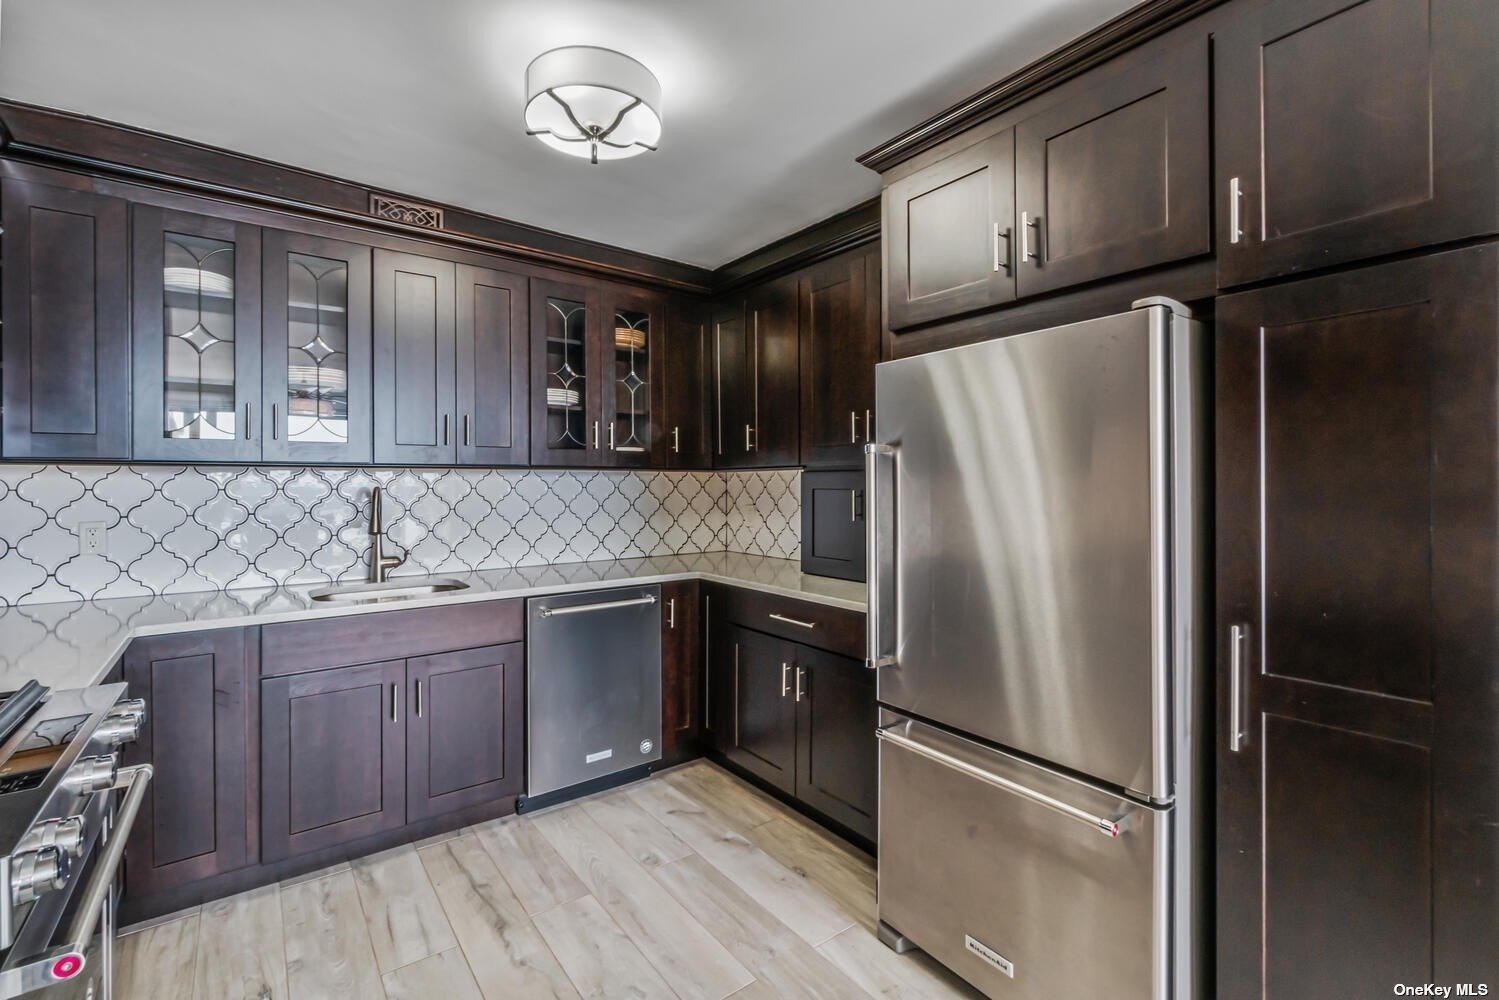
(681, 666)
(316, 371)
(1358, 584)
(565, 423)
(1117, 178)
(493, 375)
(415, 350)
(733, 374)
(333, 757)
(837, 763)
(196, 334)
(949, 231)
(465, 741)
(1346, 130)
(66, 349)
(756, 347)
(840, 345)
(200, 737)
(629, 361)
(685, 439)
(833, 525)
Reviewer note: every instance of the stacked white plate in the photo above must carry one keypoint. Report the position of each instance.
(562, 397)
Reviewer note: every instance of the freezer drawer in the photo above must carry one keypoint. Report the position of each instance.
(1009, 873)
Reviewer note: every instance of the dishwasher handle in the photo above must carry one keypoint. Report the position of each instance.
(578, 609)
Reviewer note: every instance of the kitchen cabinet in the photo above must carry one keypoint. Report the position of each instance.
(493, 372)
(756, 374)
(1117, 178)
(199, 734)
(760, 722)
(836, 770)
(681, 666)
(949, 234)
(1346, 130)
(415, 359)
(685, 438)
(840, 345)
(196, 331)
(833, 525)
(630, 361)
(564, 406)
(66, 350)
(315, 374)
(1356, 578)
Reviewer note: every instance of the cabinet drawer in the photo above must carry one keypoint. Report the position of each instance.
(296, 647)
(835, 629)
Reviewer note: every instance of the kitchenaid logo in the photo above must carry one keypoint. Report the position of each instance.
(1433, 990)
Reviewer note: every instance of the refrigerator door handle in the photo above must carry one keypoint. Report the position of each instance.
(879, 527)
(1109, 827)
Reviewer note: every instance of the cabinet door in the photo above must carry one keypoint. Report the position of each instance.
(685, 437)
(762, 706)
(681, 665)
(66, 350)
(629, 362)
(333, 757)
(833, 523)
(200, 739)
(1356, 563)
(1353, 128)
(493, 379)
(197, 337)
(733, 386)
(564, 401)
(1117, 178)
(836, 758)
(840, 345)
(316, 332)
(414, 360)
(771, 313)
(465, 742)
(949, 235)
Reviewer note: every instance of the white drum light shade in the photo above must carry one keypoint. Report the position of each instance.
(593, 102)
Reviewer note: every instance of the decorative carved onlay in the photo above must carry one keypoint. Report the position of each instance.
(408, 212)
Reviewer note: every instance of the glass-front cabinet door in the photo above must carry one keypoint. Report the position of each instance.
(629, 357)
(196, 337)
(316, 332)
(565, 423)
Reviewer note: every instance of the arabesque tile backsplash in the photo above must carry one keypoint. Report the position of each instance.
(184, 529)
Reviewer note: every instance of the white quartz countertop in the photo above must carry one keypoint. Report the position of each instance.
(75, 643)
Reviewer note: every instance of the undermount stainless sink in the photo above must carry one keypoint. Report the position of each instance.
(393, 590)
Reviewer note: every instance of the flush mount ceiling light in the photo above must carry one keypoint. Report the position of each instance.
(593, 102)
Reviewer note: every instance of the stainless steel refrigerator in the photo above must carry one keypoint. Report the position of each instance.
(1036, 614)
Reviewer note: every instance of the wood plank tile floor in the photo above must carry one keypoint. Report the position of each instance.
(688, 884)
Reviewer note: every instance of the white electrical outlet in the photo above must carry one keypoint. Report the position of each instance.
(93, 538)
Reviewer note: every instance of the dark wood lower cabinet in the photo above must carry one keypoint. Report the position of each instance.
(836, 770)
(761, 735)
(1358, 586)
(681, 666)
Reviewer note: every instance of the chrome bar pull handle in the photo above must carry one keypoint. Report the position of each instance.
(595, 435)
(467, 437)
(1026, 224)
(444, 428)
(879, 529)
(747, 445)
(1238, 662)
(1001, 260)
(578, 609)
(798, 685)
(611, 435)
(1235, 196)
(853, 506)
(785, 672)
(418, 702)
(776, 616)
(676, 440)
(671, 613)
(275, 421)
(247, 421)
(853, 426)
(395, 702)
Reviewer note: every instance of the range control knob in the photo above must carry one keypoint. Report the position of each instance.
(122, 724)
(64, 834)
(91, 774)
(35, 872)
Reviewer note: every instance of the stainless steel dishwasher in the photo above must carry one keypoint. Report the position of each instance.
(593, 688)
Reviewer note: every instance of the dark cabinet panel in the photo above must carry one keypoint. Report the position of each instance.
(333, 757)
(949, 233)
(685, 440)
(565, 423)
(197, 348)
(1346, 130)
(1356, 561)
(629, 362)
(66, 350)
(771, 314)
(762, 710)
(836, 758)
(833, 526)
(199, 738)
(1117, 178)
(316, 332)
(414, 359)
(464, 743)
(681, 665)
(733, 374)
(840, 345)
(493, 377)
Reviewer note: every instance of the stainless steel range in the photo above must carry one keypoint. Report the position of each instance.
(65, 813)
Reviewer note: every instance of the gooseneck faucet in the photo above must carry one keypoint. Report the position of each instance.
(380, 563)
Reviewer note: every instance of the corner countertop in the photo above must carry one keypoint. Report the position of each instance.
(76, 643)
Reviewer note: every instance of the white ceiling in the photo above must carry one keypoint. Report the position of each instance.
(766, 102)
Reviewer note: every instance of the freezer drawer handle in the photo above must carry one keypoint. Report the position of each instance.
(1107, 827)
(578, 609)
